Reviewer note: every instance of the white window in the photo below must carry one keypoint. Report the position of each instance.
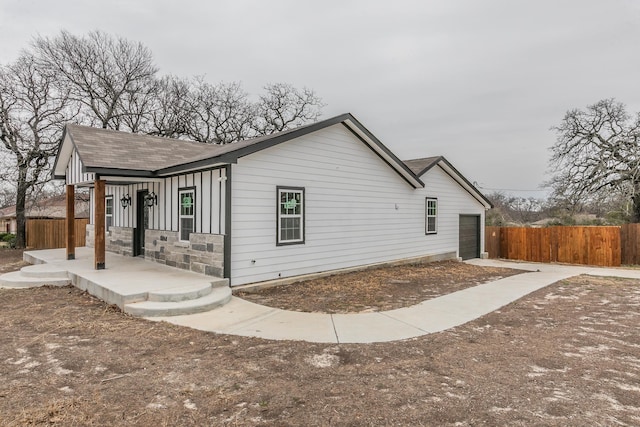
(290, 216)
(187, 210)
(431, 216)
(108, 212)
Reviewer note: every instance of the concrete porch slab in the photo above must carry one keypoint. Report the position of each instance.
(127, 280)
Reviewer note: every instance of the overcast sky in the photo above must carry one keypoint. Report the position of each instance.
(478, 81)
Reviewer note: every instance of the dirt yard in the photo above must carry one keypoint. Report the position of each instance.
(568, 354)
(377, 289)
(11, 260)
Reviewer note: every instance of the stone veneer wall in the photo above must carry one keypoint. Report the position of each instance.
(203, 253)
(120, 240)
(90, 236)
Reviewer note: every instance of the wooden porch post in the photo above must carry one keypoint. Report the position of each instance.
(71, 222)
(99, 224)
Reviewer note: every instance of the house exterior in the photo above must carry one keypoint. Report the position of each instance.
(320, 197)
(49, 208)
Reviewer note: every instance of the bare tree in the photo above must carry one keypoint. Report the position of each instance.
(32, 115)
(597, 151)
(111, 82)
(220, 113)
(171, 111)
(111, 78)
(514, 209)
(8, 190)
(285, 107)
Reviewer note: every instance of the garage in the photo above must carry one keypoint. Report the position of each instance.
(469, 236)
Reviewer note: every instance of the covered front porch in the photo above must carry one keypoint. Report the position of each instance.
(137, 286)
(151, 197)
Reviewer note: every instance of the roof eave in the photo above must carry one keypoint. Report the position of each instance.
(464, 182)
(67, 141)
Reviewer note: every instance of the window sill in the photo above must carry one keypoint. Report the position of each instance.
(182, 243)
(289, 243)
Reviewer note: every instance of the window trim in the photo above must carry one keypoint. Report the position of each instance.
(180, 216)
(106, 215)
(301, 241)
(427, 216)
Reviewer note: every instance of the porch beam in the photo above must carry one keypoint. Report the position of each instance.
(99, 224)
(71, 219)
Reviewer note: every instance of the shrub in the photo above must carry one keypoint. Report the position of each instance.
(9, 238)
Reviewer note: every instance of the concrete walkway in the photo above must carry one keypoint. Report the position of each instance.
(240, 317)
(128, 282)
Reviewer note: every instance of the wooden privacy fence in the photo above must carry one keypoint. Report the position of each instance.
(51, 233)
(601, 246)
(629, 241)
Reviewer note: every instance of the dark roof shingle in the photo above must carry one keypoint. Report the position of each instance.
(420, 166)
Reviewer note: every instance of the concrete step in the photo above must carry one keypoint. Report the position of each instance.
(217, 298)
(217, 282)
(181, 293)
(44, 270)
(16, 279)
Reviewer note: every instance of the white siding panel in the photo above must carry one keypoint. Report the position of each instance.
(164, 215)
(74, 172)
(357, 209)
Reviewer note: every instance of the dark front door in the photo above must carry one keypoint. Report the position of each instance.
(142, 223)
(469, 236)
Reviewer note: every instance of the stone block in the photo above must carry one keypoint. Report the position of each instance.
(210, 270)
(209, 247)
(199, 247)
(197, 238)
(197, 267)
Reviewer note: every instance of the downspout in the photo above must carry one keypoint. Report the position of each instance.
(227, 223)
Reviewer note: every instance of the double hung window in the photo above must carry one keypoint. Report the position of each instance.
(187, 199)
(431, 216)
(290, 216)
(108, 212)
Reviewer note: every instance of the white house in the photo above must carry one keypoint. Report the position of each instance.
(320, 197)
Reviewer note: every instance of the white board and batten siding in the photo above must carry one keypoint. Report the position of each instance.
(74, 173)
(358, 210)
(209, 189)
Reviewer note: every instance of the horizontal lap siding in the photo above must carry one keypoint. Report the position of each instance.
(350, 215)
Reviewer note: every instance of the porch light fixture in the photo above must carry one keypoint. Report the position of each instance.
(125, 201)
(151, 199)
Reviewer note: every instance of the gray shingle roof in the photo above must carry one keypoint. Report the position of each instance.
(114, 153)
(420, 166)
(111, 149)
(105, 148)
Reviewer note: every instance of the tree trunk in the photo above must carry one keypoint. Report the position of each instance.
(21, 198)
(636, 208)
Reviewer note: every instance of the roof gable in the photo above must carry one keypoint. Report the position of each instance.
(422, 166)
